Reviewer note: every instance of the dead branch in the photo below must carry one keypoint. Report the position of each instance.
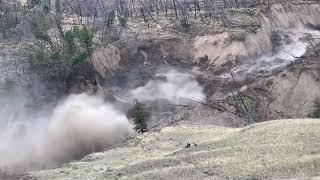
(217, 107)
(291, 54)
(239, 94)
(314, 48)
(182, 105)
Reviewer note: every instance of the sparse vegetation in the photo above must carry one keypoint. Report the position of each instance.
(245, 153)
(57, 60)
(100, 13)
(57, 51)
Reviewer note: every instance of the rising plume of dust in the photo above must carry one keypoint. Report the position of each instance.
(83, 124)
(176, 87)
(79, 125)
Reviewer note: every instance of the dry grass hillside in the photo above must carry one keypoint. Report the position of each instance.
(276, 150)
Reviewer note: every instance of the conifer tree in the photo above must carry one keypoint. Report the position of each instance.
(140, 116)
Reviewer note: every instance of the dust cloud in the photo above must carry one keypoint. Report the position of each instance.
(172, 85)
(79, 125)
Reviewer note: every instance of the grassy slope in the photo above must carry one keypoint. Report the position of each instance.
(276, 149)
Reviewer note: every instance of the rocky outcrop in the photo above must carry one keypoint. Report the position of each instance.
(105, 61)
(91, 75)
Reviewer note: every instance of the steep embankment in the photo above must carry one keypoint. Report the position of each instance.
(266, 48)
(276, 149)
(250, 32)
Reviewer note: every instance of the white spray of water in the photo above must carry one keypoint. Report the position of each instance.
(176, 87)
(79, 125)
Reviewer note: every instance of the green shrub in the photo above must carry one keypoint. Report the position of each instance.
(56, 60)
(47, 63)
(56, 54)
(79, 43)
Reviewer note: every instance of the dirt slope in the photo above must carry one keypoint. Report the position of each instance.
(275, 149)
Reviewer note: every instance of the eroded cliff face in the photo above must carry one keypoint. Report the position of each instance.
(263, 46)
(259, 42)
(280, 39)
(250, 34)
